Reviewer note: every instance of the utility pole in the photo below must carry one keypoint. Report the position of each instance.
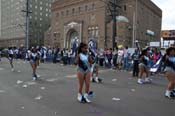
(27, 23)
(114, 5)
(114, 35)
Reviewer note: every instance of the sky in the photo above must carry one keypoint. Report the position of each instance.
(168, 9)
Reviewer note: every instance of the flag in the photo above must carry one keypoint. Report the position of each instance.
(156, 66)
(93, 47)
(93, 50)
(75, 45)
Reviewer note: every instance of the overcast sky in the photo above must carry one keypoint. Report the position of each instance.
(168, 9)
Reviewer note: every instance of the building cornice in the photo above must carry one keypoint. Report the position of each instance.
(68, 3)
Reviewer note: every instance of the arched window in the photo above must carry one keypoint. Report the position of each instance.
(93, 6)
(73, 10)
(67, 12)
(86, 8)
(79, 9)
(62, 13)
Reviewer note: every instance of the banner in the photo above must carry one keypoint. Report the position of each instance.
(75, 45)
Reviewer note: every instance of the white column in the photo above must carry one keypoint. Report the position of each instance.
(80, 25)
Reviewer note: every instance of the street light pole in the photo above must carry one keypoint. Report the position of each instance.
(133, 31)
(134, 23)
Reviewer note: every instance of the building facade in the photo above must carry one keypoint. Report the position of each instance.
(144, 16)
(13, 20)
(85, 19)
(39, 20)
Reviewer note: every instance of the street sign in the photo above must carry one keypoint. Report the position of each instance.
(154, 44)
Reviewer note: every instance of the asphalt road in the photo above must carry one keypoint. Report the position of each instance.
(55, 93)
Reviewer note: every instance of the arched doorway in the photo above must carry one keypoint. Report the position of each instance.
(71, 36)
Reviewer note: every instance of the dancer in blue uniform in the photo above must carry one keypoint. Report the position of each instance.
(143, 68)
(83, 61)
(10, 57)
(169, 60)
(33, 55)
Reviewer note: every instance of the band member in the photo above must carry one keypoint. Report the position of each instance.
(10, 57)
(169, 59)
(143, 68)
(135, 58)
(95, 71)
(83, 61)
(33, 55)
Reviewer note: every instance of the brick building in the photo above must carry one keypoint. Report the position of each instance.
(91, 18)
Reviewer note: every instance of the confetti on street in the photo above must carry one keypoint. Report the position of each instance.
(19, 82)
(24, 86)
(38, 97)
(116, 99)
(42, 88)
(114, 80)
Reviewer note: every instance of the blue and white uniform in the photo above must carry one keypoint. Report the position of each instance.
(33, 57)
(10, 54)
(84, 65)
(169, 68)
(144, 62)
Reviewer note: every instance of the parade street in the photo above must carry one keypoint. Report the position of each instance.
(55, 93)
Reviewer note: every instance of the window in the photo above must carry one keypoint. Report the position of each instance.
(86, 8)
(124, 7)
(93, 31)
(41, 8)
(79, 9)
(62, 13)
(57, 15)
(67, 12)
(93, 6)
(73, 10)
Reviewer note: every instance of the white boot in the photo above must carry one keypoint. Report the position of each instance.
(86, 98)
(140, 81)
(13, 69)
(169, 94)
(148, 80)
(96, 80)
(80, 97)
